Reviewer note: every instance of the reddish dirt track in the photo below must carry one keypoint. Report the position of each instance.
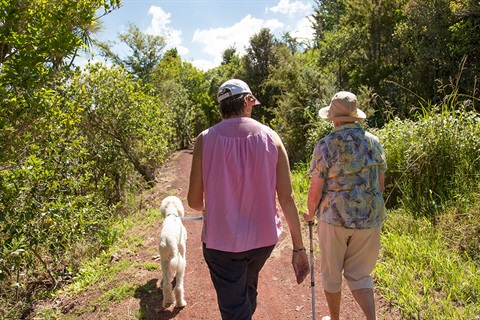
(280, 298)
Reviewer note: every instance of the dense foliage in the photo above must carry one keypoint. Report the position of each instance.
(74, 143)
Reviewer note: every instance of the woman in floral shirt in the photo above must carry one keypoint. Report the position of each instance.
(348, 171)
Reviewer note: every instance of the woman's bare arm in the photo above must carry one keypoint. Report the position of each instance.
(195, 189)
(290, 211)
(314, 197)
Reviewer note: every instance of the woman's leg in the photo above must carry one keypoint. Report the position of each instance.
(255, 261)
(228, 272)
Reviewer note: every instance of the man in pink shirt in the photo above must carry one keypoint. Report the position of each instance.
(239, 168)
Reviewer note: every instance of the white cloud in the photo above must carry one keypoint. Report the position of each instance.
(159, 26)
(203, 64)
(291, 9)
(89, 57)
(215, 41)
(304, 30)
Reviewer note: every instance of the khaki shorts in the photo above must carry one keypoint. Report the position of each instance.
(351, 251)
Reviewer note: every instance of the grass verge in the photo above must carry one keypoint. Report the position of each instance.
(419, 273)
(103, 274)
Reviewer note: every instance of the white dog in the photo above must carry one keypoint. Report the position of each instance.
(173, 249)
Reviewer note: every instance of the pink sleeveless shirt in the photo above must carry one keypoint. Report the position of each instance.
(239, 160)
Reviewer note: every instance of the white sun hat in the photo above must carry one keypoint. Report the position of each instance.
(342, 108)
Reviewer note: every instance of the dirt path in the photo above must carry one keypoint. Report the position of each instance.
(280, 298)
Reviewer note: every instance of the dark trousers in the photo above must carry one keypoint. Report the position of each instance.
(235, 278)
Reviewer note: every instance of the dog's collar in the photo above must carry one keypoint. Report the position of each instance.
(172, 214)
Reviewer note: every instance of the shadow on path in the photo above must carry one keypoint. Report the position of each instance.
(151, 298)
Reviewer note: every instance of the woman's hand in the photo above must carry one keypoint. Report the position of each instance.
(300, 265)
(307, 217)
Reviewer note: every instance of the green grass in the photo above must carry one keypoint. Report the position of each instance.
(301, 184)
(99, 272)
(419, 273)
(117, 294)
(96, 271)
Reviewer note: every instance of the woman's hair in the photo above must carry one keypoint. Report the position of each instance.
(232, 106)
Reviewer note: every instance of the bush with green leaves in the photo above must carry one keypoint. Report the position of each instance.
(303, 91)
(186, 91)
(51, 213)
(432, 160)
(126, 129)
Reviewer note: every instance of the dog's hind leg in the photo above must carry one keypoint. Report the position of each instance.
(179, 290)
(166, 284)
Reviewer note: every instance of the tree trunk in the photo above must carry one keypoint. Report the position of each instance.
(145, 171)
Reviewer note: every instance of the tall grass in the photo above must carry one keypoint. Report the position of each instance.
(301, 184)
(432, 160)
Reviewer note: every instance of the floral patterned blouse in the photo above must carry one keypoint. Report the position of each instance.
(349, 160)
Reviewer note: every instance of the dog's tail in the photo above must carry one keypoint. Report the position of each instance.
(178, 263)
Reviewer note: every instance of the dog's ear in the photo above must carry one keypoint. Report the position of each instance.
(179, 206)
(163, 208)
(181, 212)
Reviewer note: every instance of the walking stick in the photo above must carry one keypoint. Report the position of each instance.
(312, 283)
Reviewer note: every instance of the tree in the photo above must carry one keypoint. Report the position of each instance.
(124, 122)
(302, 89)
(293, 43)
(228, 55)
(326, 17)
(146, 52)
(35, 40)
(374, 55)
(257, 63)
(183, 88)
(465, 36)
(425, 33)
(47, 202)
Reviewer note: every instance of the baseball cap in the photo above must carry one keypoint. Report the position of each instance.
(234, 87)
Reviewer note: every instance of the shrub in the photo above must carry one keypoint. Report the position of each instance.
(431, 161)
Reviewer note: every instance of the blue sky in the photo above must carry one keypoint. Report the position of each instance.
(201, 30)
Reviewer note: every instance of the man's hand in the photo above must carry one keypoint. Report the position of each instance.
(300, 265)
